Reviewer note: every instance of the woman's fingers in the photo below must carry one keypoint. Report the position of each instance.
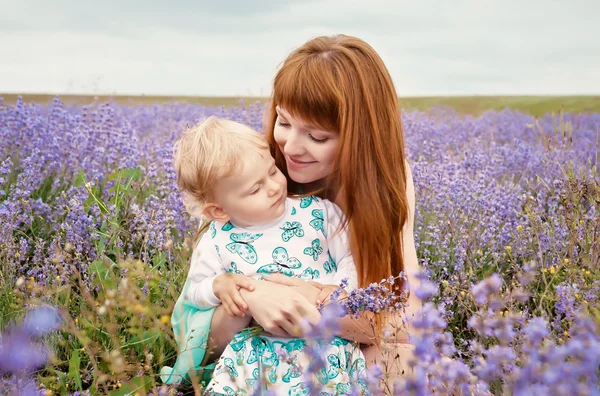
(282, 279)
(318, 285)
(323, 294)
(301, 311)
(290, 327)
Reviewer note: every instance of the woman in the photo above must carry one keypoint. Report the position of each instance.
(334, 127)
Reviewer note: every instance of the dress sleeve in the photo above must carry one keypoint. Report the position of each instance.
(204, 268)
(339, 246)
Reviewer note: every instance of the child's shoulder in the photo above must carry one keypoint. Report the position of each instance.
(216, 227)
(309, 201)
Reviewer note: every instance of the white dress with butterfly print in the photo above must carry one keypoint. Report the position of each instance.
(302, 243)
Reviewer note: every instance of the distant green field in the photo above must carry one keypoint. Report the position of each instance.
(535, 105)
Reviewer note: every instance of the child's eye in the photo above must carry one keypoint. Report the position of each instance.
(255, 190)
(273, 171)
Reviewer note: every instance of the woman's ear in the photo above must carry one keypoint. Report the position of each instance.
(215, 212)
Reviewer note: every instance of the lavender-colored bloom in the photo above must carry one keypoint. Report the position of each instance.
(41, 321)
(426, 290)
(18, 355)
(484, 289)
(536, 330)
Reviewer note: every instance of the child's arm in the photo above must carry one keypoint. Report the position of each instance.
(209, 282)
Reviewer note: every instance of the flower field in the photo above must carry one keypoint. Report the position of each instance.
(95, 242)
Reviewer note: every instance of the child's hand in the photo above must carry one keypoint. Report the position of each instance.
(325, 291)
(227, 288)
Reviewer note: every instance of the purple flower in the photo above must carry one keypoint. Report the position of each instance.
(19, 355)
(487, 287)
(41, 321)
(426, 290)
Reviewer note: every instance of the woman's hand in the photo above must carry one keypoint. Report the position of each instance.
(281, 310)
(326, 290)
(307, 289)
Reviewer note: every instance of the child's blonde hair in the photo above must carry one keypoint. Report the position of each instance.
(208, 152)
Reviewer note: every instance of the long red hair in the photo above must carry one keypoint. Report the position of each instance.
(340, 83)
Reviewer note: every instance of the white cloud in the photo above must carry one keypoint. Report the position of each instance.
(198, 48)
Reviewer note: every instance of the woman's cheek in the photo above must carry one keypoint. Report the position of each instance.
(279, 139)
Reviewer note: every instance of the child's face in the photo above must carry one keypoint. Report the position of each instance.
(255, 193)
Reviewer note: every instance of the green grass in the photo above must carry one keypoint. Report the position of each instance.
(535, 105)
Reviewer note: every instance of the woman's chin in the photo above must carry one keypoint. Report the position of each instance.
(302, 177)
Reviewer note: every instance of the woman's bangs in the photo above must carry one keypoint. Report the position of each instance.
(308, 91)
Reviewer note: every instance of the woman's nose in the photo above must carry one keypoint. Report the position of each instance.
(293, 145)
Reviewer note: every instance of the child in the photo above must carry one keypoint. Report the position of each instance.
(227, 173)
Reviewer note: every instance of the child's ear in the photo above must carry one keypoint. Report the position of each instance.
(215, 212)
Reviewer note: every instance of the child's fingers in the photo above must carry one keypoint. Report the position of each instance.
(245, 283)
(233, 307)
(239, 301)
(226, 307)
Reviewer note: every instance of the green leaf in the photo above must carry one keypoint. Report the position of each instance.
(74, 373)
(103, 274)
(127, 173)
(136, 384)
(80, 179)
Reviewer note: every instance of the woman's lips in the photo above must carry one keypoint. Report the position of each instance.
(297, 164)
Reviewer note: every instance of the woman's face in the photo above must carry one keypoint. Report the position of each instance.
(309, 151)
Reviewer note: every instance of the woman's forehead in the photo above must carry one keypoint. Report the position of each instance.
(304, 122)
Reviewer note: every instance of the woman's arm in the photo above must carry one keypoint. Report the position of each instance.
(280, 310)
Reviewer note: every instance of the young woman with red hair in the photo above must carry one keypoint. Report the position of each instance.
(335, 131)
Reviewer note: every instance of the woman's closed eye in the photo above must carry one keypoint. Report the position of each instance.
(314, 139)
(282, 124)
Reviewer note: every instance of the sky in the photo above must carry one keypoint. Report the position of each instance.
(235, 47)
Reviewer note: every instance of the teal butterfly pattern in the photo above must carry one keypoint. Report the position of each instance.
(293, 211)
(317, 222)
(300, 389)
(234, 269)
(252, 382)
(330, 266)
(241, 245)
(306, 201)
(212, 229)
(227, 226)
(310, 274)
(229, 368)
(282, 263)
(218, 252)
(315, 250)
(264, 353)
(291, 229)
